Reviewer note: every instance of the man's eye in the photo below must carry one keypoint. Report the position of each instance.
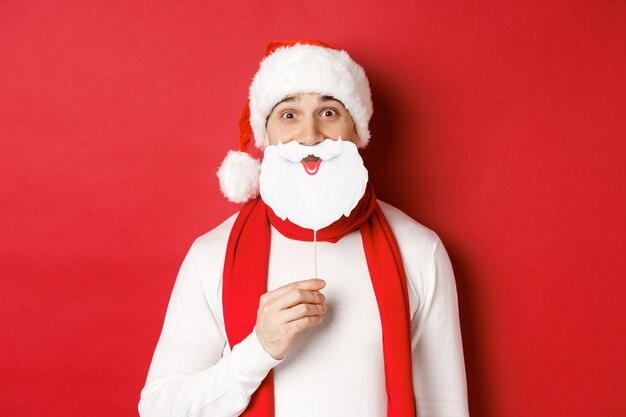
(288, 115)
(329, 113)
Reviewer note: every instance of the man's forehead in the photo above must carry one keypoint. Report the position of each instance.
(296, 97)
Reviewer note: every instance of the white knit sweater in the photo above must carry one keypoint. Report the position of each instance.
(334, 369)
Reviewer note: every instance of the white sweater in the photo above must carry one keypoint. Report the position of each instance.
(335, 368)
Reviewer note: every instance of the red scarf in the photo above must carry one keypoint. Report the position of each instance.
(245, 280)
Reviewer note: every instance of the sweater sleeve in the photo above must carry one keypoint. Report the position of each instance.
(439, 378)
(188, 375)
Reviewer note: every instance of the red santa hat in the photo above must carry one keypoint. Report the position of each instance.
(292, 67)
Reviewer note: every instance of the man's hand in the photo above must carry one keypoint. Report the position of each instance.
(286, 311)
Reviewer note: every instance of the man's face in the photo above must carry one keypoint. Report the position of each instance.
(310, 177)
(309, 118)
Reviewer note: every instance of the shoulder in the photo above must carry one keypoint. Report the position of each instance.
(410, 234)
(215, 240)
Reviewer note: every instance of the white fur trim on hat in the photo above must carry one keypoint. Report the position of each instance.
(239, 176)
(306, 68)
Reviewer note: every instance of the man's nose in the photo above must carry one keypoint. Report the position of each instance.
(311, 133)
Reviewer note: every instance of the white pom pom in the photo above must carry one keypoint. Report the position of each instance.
(239, 176)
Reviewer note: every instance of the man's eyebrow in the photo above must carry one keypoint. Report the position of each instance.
(330, 98)
(285, 100)
(288, 99)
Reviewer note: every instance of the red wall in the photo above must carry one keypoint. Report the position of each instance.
(500, 126)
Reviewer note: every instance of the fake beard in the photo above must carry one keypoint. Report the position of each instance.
(312, 186)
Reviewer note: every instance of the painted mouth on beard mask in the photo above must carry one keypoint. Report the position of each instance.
(311, 164)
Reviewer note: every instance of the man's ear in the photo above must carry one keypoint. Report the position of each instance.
(355, 136)
(266, 140)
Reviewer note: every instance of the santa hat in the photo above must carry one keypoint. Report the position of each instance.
(292, 67)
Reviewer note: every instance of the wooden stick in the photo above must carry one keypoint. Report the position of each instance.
(315, 250)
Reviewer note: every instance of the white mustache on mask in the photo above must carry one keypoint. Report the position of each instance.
(295, 152)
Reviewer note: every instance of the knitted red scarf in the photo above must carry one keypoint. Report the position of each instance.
(245, 280)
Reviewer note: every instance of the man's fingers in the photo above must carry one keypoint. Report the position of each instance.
(297, 296)
(302, 310)
(304, 322)
(307, 284)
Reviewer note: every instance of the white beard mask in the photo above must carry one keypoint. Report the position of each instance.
(312, 186)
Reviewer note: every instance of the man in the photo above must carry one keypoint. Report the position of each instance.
(315, 299)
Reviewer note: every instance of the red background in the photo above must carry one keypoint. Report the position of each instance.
(500, 125)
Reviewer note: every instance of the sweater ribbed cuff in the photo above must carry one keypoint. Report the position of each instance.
(251, 362)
